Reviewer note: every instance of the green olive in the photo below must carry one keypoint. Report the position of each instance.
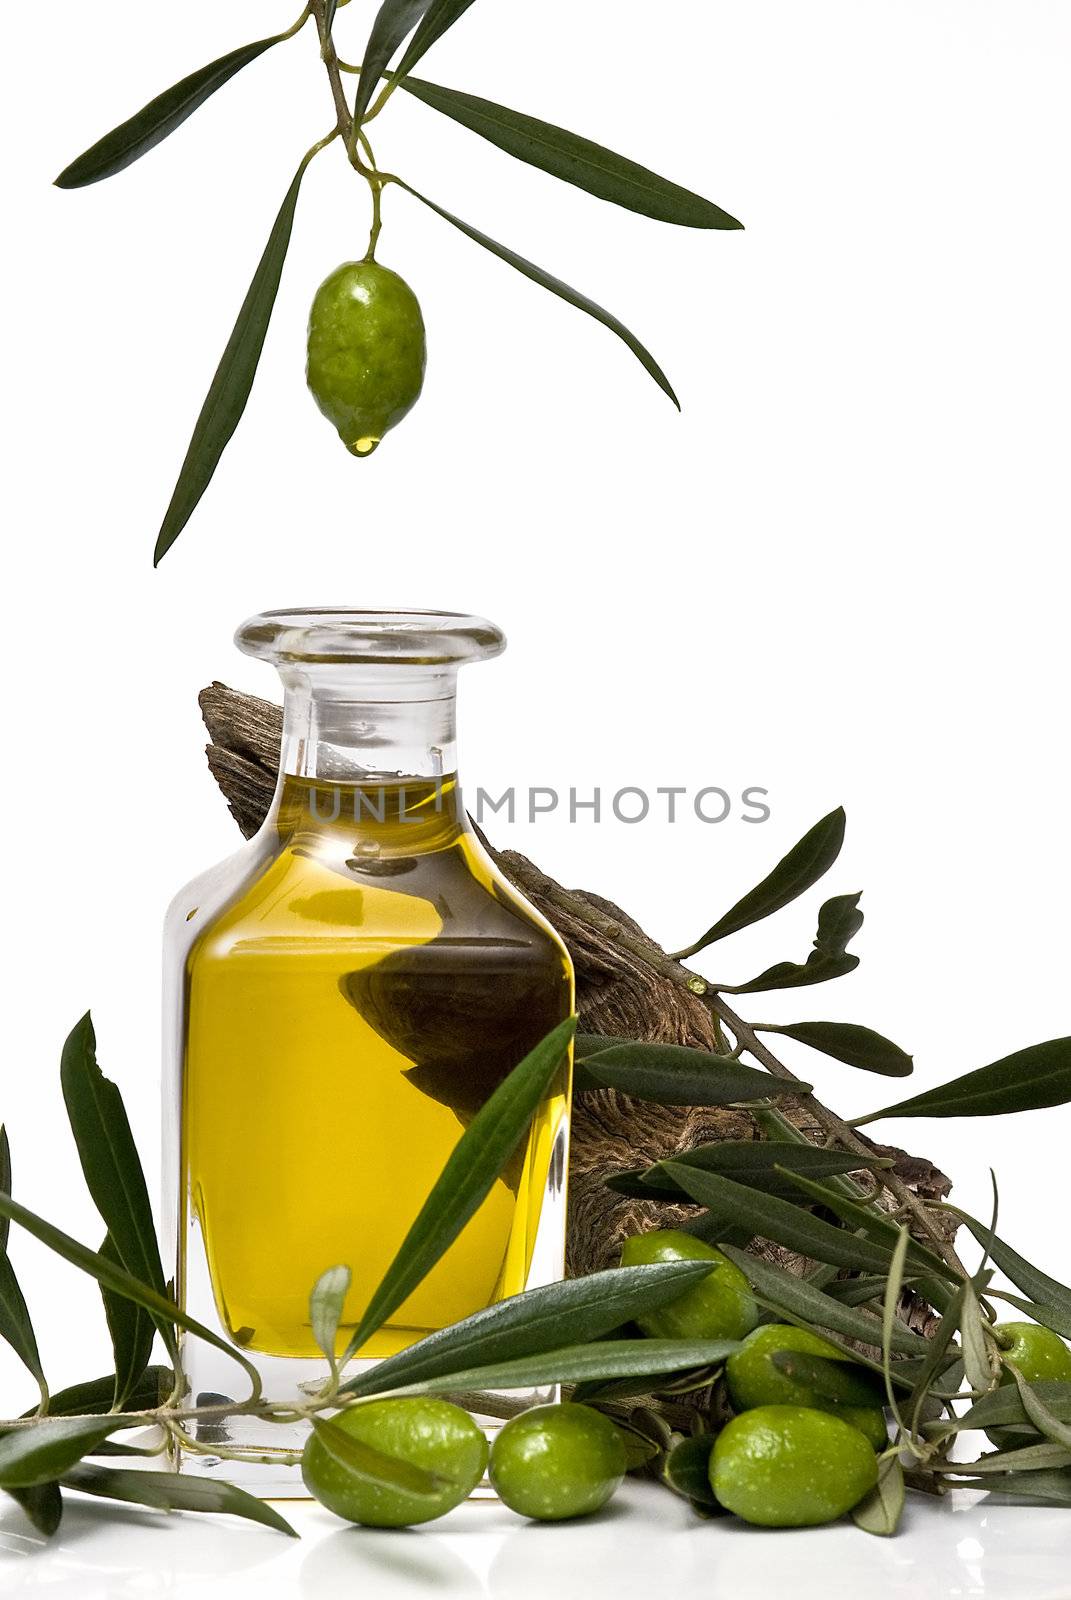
(1041, 1356)
(427, 1433)
(753, 1379)
(791, 1467)
(366, 352)
(720, 1306)
(558, 1461)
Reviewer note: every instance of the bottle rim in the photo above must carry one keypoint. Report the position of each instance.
(340, 635)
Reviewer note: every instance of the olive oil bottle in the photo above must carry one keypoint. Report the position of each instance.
(343, 996)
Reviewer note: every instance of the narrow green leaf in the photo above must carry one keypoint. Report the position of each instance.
(1029, 1080)
(1031, 1458)
(43, 1450)
(756, 1160)
(1037, 1284)
(113, 1277)
(370, 1466)
(576, 1311)
(686, 1469)
(980, 1375)
(1050, 1488)
(841, 1383)
(112, 1170)
(675, 1075)
(43, 1505)
(5, 1182)
(797, 1301)
(233, 380)
(868, 1219)
(572, 158)
(573, 297)
(848, 1042)
(1003, 1408)
(468, 1177)
(152, 124)
(95, 1397)
(173, 1491)
(132, 1331)
(769, 1217)
(440, 15)
(1049, 1316)
(16, 1327)
(857, 1291)
(880, 1512)
(603, 1359)
(807, 861)
(325, 1307)
(1044, 1420)
(839, 921)
(393, 21)
(893, 1289)
(330, 7)
(636, 1186)
(935, 1360)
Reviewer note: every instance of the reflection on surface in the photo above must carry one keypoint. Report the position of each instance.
(646, 1544)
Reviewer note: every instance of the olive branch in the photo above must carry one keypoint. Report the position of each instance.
(828, 1201)
(569, 157)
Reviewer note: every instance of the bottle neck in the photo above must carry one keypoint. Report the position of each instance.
(362, 724)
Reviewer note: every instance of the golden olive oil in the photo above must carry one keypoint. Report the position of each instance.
(346, 1014)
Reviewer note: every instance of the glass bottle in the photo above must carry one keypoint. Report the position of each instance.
(341, 997)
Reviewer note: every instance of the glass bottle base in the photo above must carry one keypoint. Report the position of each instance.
(266, 1467)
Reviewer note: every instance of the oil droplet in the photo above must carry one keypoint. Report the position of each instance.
(367, 849)
(364, 446)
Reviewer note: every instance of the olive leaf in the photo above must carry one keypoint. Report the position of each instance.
(1030, 1458)
(173, 1491)
(233, 380)
(5, 1181)
(43, 1450)
(1048, 1316)
(325, 1307)
(573, 297)
(132, 1331)
(467, 1178)
(848, 1042)
(440, 15)
(1051, 1488)
(798, 1301)
(935, 1360)
(869, 1220)
(359, 1460)
(686, 1470)
(1048, 1291)
(111, 1164)
(880, 1511)
(765, 1164)
(393, 21)
(575, 1311)
(1028, 1080)
(330, 7)
(572, 158)
(152, 124)
(16, 1327)
(839, 921)
(807, 861)
(980, 1374)
(1003, 1408)
(769, 1217)
(1045, 1421)
(115, 1278)
(582, 1363)
(43, 1505)
(95, 1397)
(676, 1075)
(893, 1290)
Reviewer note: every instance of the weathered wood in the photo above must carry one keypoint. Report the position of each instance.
(617, 993)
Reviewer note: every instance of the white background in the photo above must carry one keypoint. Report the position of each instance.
(841, 574)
